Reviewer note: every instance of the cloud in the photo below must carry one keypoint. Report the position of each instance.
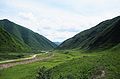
(59, 20)
(27, 16)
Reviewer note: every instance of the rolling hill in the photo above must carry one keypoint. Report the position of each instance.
(26, 36)
(102, 36)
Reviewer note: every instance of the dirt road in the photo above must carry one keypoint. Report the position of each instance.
(34, 58)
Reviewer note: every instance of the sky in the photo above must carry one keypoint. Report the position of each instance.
(58, 20)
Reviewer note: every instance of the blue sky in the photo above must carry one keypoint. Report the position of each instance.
(58, 20)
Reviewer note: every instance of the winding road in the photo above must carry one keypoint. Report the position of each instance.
(7, 61)
(33, 58)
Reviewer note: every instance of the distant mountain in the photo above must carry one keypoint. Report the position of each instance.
(26, 36)
(104, 35)
(57, 43)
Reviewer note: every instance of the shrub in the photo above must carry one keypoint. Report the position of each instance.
(43, 73)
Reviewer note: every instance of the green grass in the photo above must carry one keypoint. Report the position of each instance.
(28, 71)
(69, 63)
(13, 55)
(85, 67)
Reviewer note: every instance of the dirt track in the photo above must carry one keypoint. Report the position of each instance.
(34, 58)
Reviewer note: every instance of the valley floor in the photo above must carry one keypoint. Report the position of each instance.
(69, 64)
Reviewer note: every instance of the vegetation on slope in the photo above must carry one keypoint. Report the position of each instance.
(9, 46)
(103, 35)
(9, 43)
(26, 36)
(16, 41)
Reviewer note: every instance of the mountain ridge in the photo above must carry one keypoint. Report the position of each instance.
(93, 38)
(32, 39)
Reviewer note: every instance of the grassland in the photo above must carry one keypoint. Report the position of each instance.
(87, 67)
(70, 64)
(8, 56)
(5, 55)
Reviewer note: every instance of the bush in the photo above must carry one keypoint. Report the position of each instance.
(70, 76)
(61, 77)
(66, 52)
(43, 73)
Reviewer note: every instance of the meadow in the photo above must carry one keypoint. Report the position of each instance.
(70, 64)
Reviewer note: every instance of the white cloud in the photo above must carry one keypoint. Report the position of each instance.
(59, 19)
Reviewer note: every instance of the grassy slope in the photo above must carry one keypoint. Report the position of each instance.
(20, 40)
(79, 65)
(9, 43)
(104, 35)
(32, 39)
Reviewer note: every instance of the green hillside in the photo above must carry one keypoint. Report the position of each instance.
(11, 47)
(26, 36)
(9, 43)
(103, 35)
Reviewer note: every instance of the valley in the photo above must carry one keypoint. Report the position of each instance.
(91, 54)
(33, 58)
(69, 63)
